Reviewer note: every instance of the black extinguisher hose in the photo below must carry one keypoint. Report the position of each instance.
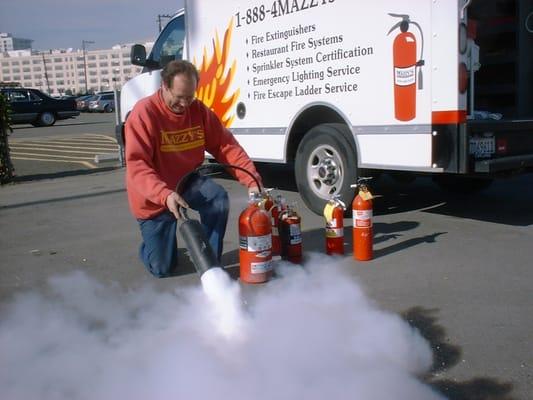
(215, 166)
(201, 253)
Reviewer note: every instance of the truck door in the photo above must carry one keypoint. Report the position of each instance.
(168, 46)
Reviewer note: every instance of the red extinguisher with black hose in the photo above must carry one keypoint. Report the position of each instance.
(362, 222)
(255, 230)
(255, 242)
(405, 62)
(290, 233)
(334, 214)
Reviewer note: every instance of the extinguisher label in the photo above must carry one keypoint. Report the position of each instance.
(275, 231)
(255, 243)
(334, 232)
(295, 234)
(362, 218)
(404, 76)
(261, 267)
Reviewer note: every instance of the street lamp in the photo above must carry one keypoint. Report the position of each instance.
(161, 16)
(116, 72)
(83, 43)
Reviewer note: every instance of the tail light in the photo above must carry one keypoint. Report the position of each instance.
(463, 78)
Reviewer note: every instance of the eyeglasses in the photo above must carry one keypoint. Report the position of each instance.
(185, 100)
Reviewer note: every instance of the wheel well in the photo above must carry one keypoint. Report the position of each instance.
(309, 118)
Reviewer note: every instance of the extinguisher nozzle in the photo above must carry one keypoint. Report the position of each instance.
(200, 251)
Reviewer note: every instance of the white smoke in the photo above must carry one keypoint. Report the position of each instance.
(311, 334)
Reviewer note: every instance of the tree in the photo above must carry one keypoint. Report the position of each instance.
(6, 166)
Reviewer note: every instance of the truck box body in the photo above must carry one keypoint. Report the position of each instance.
(339, 87)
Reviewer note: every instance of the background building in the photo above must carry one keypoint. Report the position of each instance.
(62, 72)
(9, 43)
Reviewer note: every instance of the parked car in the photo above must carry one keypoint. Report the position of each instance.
(82, 103)
(104, 102)
(34, 107)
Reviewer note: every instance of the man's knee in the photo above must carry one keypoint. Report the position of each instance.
(159, 265)
(221, 201)
(161, 269)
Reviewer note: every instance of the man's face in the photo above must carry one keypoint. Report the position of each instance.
(181, 94)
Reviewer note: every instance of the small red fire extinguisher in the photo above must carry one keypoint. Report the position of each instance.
(404, 71)
(255, 243)
(272, 207)
(334, 214)
(290, 234)
(362, 222)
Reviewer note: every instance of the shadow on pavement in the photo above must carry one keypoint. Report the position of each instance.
(60, 199)
(507, 201)
(61, 174)
(446, 355)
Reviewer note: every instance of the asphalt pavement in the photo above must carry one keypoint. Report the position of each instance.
(458, 268)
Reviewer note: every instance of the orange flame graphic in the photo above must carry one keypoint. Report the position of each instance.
(213, 86)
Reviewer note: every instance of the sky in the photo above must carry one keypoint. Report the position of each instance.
(61, 24)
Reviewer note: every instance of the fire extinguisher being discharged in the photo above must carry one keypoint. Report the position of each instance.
(362, 222)
(334, 214)
(290, 233)
(405, 64)
(255, 242)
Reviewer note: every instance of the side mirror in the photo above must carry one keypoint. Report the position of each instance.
(138, 55)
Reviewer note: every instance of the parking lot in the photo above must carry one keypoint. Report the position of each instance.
(457, 268)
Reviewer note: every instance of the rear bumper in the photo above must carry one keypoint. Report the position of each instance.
(504, 164)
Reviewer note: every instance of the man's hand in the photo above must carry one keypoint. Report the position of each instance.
(253, 189)
(173, 201)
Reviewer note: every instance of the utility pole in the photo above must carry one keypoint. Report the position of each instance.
(83, 43)
(46, 73)
(159, 16)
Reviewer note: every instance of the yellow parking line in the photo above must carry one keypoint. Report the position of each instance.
(75, 141)
(84, 163)
(16, 148)
(47, 155)
(47, 146)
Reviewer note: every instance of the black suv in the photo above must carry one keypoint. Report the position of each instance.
(34, 107)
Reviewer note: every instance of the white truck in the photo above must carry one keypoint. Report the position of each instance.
(340, 88)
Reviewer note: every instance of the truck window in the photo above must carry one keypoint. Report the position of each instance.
(169, 45)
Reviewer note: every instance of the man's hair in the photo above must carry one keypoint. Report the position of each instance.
(178, 67)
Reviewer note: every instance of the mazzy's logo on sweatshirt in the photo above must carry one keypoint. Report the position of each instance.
(185, 139)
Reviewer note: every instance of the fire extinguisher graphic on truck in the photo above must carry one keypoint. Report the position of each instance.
(406, 76)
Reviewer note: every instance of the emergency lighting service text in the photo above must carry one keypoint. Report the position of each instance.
(278, 8)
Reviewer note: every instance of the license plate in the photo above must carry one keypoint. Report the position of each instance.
(482, 147)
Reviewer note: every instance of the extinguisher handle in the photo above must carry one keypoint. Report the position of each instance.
(182, 211)
(221, 168)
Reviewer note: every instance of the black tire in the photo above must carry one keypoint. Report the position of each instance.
(326, 164)
(461, 184)
(46, 118)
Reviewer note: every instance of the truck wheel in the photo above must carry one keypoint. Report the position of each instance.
(46, 119)
(461, 184)
(325, 165)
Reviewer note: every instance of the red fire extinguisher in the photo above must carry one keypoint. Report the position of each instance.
(405, 64)
(255, 243)
(362, 223)
(272, 207)
(334, 214)
(290, 234)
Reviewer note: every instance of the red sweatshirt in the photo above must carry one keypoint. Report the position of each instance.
(162, 147)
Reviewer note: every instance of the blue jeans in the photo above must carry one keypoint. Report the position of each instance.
(159, 250)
